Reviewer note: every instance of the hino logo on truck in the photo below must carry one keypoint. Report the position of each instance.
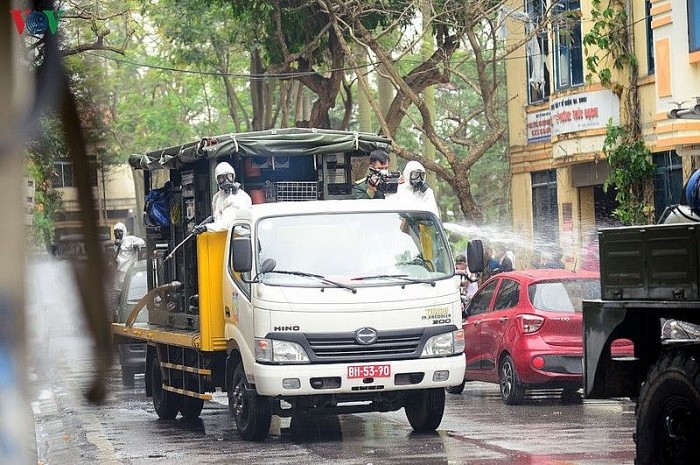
(366, 336)
(286, 328)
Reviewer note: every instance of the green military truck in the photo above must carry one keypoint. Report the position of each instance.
(649, 275)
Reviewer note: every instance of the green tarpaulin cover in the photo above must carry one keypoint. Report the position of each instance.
(277, 142)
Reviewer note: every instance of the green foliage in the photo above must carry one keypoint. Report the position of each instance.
(608, 47)
(47, 202)
(630, 166)
(607, 41)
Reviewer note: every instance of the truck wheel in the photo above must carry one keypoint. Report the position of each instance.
(455, 389)
(251, 411)
(190, 408)
(424, 409)
(165, 402)
(512, 390)
(668, 411)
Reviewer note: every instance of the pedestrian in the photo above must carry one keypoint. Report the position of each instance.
(226, 201)
(505, 258)
(591, 257)
(126, 254)
(554, 259)
(370, 187)
(416, 190)
(468, 282)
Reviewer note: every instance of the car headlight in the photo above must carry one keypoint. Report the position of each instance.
(274, 351)
(445, 344)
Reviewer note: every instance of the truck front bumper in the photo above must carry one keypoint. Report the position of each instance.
(352, 378)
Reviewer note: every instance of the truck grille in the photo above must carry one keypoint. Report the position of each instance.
(343, 346)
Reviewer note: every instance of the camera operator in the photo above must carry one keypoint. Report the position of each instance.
(379, 180)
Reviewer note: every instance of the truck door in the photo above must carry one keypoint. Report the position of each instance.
(238, 310)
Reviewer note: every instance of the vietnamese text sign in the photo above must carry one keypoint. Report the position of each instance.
(539, 126)
(588, 110)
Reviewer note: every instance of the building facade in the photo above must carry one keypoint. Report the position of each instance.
(558, 119)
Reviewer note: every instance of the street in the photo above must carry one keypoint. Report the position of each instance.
(477, 426)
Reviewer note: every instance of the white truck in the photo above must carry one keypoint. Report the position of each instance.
(337, 306)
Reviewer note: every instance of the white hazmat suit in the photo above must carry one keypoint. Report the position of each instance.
(126, 250)
(229, 198)
(414, 189)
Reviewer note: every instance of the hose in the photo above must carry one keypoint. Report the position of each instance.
(173, 286)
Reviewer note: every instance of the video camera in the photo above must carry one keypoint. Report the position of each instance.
(386, 182)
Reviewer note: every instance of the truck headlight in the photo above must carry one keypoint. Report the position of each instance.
(445, 344)
(274, 351)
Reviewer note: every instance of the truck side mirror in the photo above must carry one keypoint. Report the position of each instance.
(475, 256)
(242, 252)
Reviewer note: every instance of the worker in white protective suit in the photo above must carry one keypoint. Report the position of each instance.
(126, 252)
(229, 198)
(414, 188)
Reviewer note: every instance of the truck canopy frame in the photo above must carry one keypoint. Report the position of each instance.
(273, 142)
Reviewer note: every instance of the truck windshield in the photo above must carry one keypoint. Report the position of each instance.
(360, 249)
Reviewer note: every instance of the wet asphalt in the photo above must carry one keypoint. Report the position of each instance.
(477, 427)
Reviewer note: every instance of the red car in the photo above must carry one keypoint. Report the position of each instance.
(524, 329)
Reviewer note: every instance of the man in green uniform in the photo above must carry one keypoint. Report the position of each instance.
(367, 188)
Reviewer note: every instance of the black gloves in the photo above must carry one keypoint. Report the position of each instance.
(199, 229)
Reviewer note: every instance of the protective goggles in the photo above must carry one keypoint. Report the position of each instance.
(224, 177)
(416, 175)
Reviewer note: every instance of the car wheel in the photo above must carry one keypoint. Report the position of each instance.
(456, 389)
(165, 402)
(668, 411)
(424, 409)
(512, 390)
(190, 407)
(251, 412)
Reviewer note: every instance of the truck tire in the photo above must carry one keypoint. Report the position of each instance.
(668, 411)
(512, 390)
(251, 411)
(424, 409)
(456, 389)
(190, 408)
(165, 402)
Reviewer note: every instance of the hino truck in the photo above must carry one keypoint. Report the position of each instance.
(310, 303)
(650, 275)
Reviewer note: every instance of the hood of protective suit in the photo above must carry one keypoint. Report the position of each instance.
(224, 168)
(225, 177)
(120, 226)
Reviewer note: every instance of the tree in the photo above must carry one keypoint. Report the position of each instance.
(82, 29)
(609, 44)
(468, 25)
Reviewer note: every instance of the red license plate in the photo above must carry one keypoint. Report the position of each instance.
(369, 371)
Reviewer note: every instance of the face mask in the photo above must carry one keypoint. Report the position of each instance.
(225, 182)
(417, 180)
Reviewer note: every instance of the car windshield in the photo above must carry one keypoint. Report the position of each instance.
(564, 296)
(360, 249)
